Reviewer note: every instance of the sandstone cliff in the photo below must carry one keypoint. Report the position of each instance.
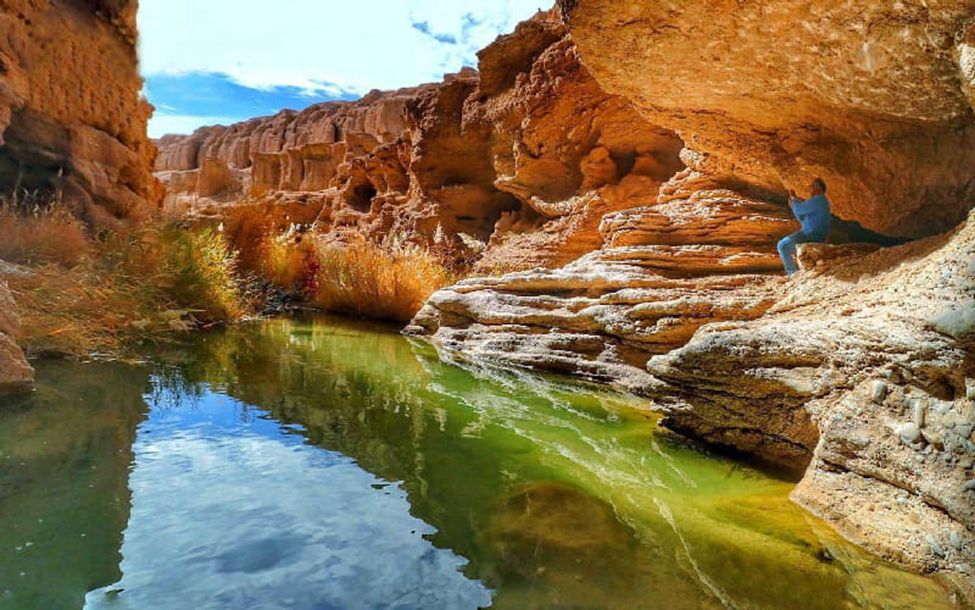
(72, 124)
(860, 371)
(527, 154)
(72, 119)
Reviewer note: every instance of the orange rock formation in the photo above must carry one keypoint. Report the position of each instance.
(72, 120)
(527, 155)
(860, 372)
(72, 124)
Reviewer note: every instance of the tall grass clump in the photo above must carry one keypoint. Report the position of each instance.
(40, 235)
(120, 289)
(384, 282)
(200, 274)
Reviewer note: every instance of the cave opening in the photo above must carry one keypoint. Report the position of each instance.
(362, 196)
(625, 162)
(29, 184)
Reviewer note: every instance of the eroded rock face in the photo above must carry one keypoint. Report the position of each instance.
(859, 373)
(866, 367)
(702, 256)
(72, 120)
(72, 125)
(527, 156)
(875, 98)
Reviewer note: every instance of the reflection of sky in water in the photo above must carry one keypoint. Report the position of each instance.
(229, 510)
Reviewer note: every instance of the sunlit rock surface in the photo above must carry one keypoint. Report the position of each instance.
(72, 119)
(875, 97)
(526, 155)
(859, 372)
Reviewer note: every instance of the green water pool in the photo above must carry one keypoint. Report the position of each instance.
(324, 464)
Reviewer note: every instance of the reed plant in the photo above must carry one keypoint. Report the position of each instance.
(79, 295)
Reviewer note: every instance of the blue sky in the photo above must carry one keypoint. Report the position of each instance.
(221, 61)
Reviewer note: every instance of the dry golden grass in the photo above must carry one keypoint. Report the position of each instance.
(247, 227)
(123, 289)
(41, 236)
(199, 274)
(381, 282)
(389, 282)
(290, 261)
(77, 312)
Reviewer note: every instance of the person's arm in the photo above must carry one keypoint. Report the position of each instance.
(794, 201)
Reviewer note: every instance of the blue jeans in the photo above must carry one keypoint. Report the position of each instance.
(787, 248)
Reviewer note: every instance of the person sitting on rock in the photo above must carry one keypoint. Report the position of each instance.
(813, 215)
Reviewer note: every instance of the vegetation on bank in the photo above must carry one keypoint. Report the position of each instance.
(80, 294)
(387, 281)
(379, 281)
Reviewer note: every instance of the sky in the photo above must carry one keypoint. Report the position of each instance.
(211, 62)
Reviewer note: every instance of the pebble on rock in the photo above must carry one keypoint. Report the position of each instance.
(909, 433)
(879, 391)
(917, 412)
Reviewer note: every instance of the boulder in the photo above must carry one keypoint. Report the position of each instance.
(16, 375)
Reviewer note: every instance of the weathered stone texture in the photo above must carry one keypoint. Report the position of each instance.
(874, 97)
(527, 156)
(72, 119)
(858, 373)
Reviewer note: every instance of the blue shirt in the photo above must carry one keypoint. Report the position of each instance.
(813, 214)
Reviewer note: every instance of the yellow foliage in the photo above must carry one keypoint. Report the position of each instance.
(123, 288)
(381, 282)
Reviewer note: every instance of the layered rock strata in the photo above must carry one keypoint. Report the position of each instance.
(699, 256)
(873, 97)
(860, 372)
(865, 368)
(525, 155)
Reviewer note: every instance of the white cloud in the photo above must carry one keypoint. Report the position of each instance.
(358, 45)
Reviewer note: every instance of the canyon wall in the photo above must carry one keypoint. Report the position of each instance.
(525, 155)
(628, 163)
(72, 125)
(859, 372)
(72, 119)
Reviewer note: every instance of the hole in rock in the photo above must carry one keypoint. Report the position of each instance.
(625, 162)
(362, 196)
(29, 183)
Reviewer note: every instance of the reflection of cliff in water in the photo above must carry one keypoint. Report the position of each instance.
(554, 492)
(65, 453)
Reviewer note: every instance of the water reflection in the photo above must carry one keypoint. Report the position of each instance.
(65, 454)
(330, 465)
(231, 511)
